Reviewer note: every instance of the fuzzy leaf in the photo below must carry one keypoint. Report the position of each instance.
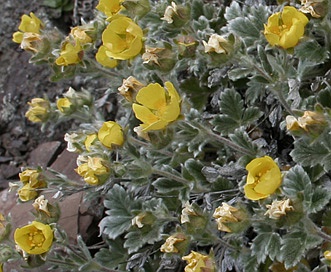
(138, 238)
(292, 249)
(311, 51)
(233, 113)
(165, 185)
(119, 216)
(112, 256)
(311, 154)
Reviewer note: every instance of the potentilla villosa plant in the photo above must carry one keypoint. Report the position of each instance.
(217, 154)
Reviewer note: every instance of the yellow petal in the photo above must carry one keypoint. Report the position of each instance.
(251, 194)
(18, 37)
(152, 96)
(103, 59)
(144, 114)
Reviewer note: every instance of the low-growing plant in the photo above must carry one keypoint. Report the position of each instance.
(217, 155)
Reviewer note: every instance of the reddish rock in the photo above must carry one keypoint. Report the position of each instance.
(44, 154)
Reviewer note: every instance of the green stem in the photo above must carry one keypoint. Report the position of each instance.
(311, 226)
(169, 175)
(229, 143)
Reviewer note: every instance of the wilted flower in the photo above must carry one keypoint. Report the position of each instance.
(41, 204)
(225, 214)
(278, 208)
(103, 59)
(215, 44)
(130, 87)
(110, 8)
(94, 170)
(111, 134)
(36, 238)
(79, 34)
(159, 58)
(3, 230)
(187, 212)
(157, 108)
(150, 55)
(263, 179)
(122, 38)
(169, 245)
(199, 263)
(310, 122)
(285, 28)
(314, 7)
(71, 53)
(38, 111)
(169, 12)
(72, 141)
(27, 40)
(29, 32)
(137, 220)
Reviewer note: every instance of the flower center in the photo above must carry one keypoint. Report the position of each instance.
(36, 238)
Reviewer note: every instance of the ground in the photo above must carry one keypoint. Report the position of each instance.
(20, 81)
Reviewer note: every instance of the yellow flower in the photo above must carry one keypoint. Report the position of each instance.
(198, 263)
(26, 175)
(263, 179)
(157, 108)
(63, 104)
(278, 208)
(225, 214)
(29, 32)
(285, 28)
(71, 53)
(103, 59)
(89, 141)
(130, 87)
(27, 193)
(30, 23)
(38, 111)
(36, 238)
(110, 7)
(111, 134)
(327, 255)
(122, 38)
(169, 245)
(28, 40)
(215, 44)
(79, 34)
(93, 170)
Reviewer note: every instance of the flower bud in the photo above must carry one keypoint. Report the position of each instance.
(111, 134)
(39, 110)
